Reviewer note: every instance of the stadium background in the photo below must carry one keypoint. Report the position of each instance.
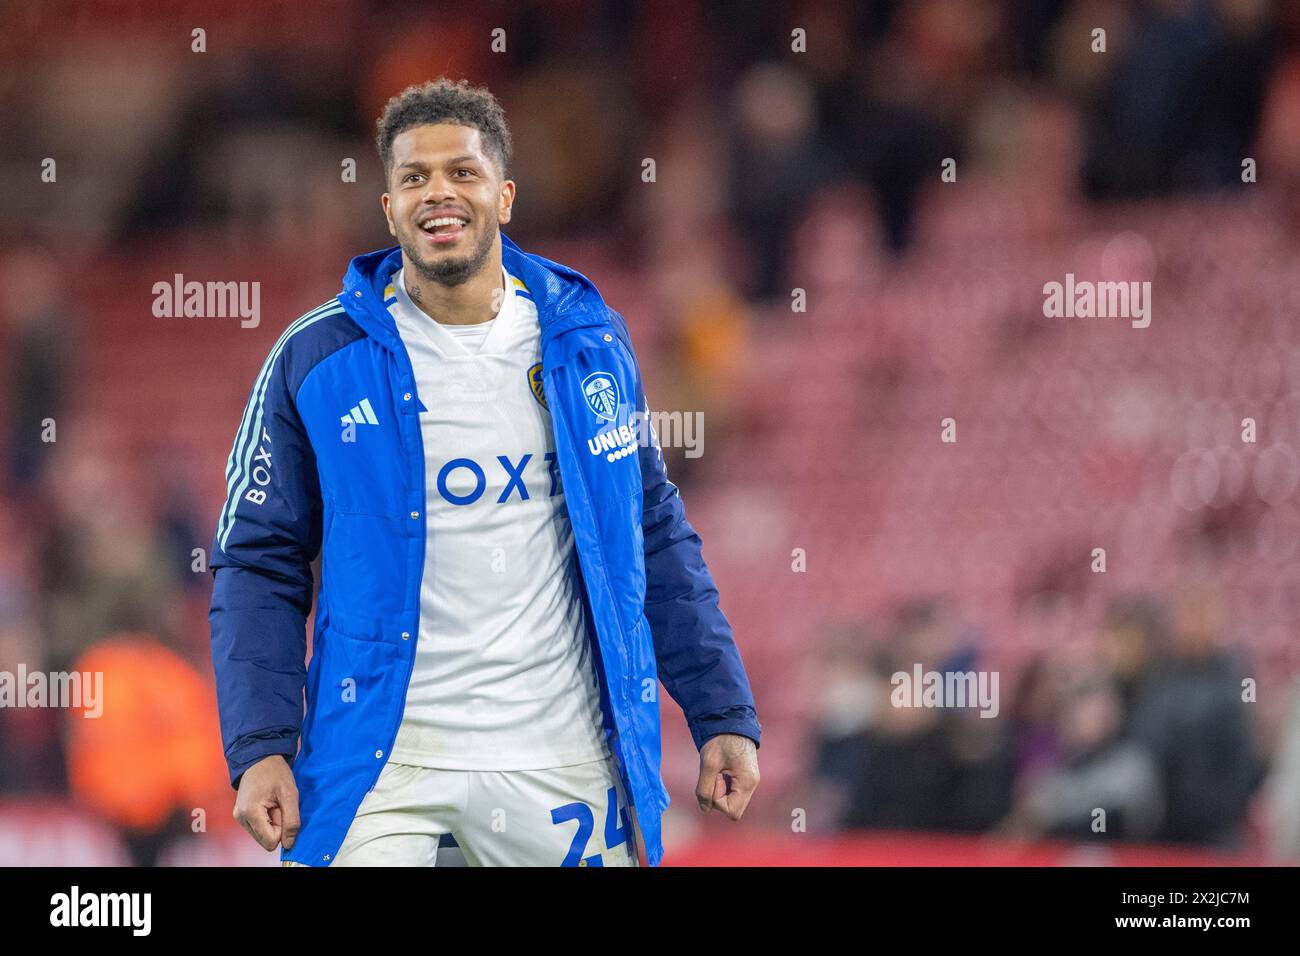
(775, 170)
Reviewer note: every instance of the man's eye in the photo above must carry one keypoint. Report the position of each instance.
(464, 170)
(410, 176)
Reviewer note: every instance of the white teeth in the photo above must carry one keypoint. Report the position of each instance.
(442, 221)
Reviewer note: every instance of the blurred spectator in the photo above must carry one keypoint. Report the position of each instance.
(153, 757)
(985, 757)
(907, 774)
(1033, 719)
(778, 160)
(1134, 637)
(927, 767)
(1181, 105)
(106, 562)
(1106, 786)
(238, 139)
(31, 745)
(851, 693)
(1279, 138)
(1193, 719)
(38, 342)
(889, 136)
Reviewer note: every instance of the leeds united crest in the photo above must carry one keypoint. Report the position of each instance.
(601, 392)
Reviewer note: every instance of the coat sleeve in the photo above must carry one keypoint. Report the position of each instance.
(268, 534)
(698, 661)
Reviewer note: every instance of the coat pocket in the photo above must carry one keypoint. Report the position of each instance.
(352, 688)
(364, 573)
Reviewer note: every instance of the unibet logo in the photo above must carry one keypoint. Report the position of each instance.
(614, 443)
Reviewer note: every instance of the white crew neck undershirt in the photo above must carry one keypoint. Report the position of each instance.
(471, 339)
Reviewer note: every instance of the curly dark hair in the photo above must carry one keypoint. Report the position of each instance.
(442, 101)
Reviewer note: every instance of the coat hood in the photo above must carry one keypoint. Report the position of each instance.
(565, 298)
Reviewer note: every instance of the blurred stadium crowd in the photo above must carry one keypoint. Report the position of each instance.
(848, 541)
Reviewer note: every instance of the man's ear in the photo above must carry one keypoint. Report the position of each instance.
(384, 201)
(507, 202)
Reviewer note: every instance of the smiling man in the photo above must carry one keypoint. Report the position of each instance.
(507, 572)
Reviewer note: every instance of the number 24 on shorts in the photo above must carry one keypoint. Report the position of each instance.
(617, 827)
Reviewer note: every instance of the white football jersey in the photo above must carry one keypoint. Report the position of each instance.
(504, 676)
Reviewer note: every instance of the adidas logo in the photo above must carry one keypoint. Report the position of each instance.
(361, 414)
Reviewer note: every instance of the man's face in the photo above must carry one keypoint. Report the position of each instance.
(442, 172)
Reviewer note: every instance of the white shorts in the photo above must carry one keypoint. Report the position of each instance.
(566, 816)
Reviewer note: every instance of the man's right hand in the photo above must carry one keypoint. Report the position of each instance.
(267, 803)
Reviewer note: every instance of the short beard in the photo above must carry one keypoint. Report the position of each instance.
(449, 271)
